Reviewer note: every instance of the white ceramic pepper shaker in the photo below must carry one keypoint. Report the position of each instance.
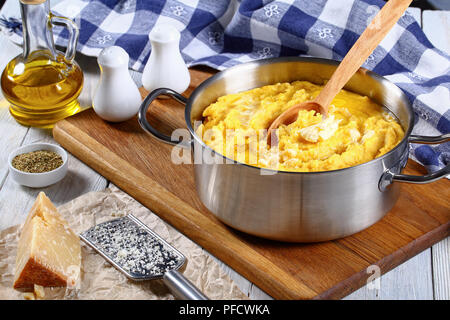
(116, 97)
(165, 68)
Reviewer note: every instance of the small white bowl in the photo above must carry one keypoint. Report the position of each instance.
(38, 180)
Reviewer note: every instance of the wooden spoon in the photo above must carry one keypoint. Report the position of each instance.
(383, 22)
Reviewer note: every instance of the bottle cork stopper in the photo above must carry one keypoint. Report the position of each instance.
(32, 1)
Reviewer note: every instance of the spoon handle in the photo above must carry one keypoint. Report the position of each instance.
(380, 26)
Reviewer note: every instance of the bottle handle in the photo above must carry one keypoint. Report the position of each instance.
(74, 33)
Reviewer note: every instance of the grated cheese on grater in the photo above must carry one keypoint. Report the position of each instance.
(133, 248)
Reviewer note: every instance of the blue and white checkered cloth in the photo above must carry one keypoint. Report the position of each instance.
(223, 33)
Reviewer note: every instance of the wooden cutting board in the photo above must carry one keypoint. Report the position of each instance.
(141, 166)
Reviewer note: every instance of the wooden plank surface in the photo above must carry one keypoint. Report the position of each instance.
(421, 277)
(11, 134)
(441, 269)
(15, 200)
(411, 280)
(399, 283)
(436, 26)
(142, 167)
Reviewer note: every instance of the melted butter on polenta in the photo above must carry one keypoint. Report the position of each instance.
(356, 130)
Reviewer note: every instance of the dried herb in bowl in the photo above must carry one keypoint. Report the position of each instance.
(37, 161)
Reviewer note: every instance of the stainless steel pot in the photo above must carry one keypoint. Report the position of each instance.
(294, 206)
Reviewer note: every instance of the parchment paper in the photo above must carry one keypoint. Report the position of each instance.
(99, 280)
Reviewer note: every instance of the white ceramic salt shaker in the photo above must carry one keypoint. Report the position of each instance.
(116, 97)
(165, 68)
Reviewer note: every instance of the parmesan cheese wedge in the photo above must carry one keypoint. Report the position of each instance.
(39, 292)
(49, 252)
(29, 296)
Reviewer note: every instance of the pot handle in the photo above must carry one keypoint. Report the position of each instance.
(389, 177)
(142, 115)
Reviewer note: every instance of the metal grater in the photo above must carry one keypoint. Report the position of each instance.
(141, 254)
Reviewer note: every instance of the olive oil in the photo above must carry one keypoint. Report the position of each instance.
(42, 89)
(42, 84)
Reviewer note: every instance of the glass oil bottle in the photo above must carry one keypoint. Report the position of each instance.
(42, 84)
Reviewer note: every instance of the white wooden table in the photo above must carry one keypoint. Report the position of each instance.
(426, 276)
